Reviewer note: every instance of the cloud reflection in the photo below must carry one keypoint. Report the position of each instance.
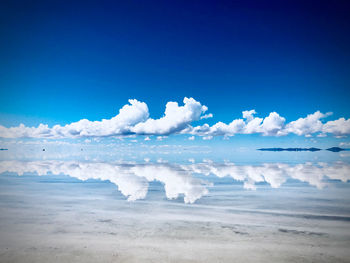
(133, 180)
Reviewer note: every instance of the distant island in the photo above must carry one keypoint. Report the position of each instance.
(290, 149)
(3, 149)
(333, 149)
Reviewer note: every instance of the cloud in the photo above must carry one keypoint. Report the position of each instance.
(191, 138)
(271, 125)
(147, 138)
(308, 125)
(275, 125)
(129, 115)
(248, 114)
(134, 119)
(207, 116)
(338, 127)
(175, 119)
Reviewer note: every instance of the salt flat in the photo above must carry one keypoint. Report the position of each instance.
(79, 211)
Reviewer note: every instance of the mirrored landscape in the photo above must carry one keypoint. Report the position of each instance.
(192, 181)
(175, 208)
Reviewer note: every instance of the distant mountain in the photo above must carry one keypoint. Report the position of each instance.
(335, 149)
(290, 149)
(3, 149)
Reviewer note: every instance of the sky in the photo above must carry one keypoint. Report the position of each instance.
(64, 61)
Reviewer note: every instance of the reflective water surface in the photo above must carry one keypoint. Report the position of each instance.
(190, 210)
(190, 180)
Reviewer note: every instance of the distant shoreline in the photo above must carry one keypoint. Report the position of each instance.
(332, 149)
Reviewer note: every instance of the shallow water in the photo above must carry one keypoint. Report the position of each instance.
(234, 207)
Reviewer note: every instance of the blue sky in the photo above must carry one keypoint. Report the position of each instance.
(62, 61)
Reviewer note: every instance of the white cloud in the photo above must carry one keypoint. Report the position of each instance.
(128, 116)
(248, 114)
(147, 138)
(133, 119)
(338, 127)
(273, 124)
(207, 116)
(191, 138)
(220, 128)
(176, 118)
(253, 126)
(308, 125)
(199, 130)
(207, 137)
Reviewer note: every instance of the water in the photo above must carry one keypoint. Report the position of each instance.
(239, 206)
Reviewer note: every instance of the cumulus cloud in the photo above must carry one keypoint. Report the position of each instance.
(248, 114)
(338, 127)
(308, 125)
(129, 115)
(272, 125)
(175, 119)
(275, 125)
(134, 119)
(207, 116)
